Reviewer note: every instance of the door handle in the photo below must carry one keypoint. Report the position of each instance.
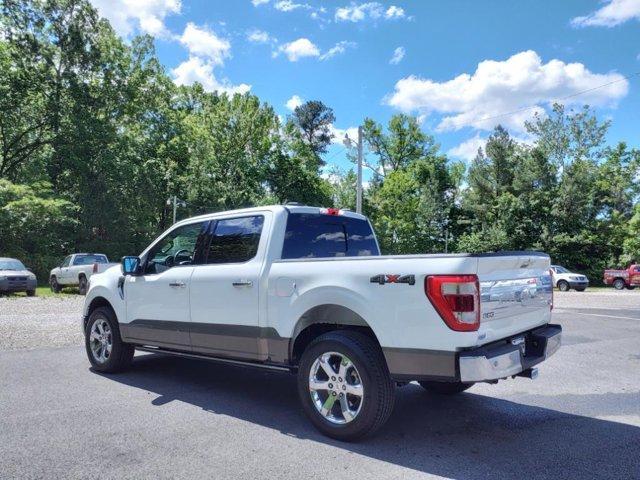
(178, 284)
(243, 283)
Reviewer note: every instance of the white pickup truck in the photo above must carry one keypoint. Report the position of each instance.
(305, 290)
(76, 270)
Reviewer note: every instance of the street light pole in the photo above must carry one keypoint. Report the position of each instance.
(175, 208)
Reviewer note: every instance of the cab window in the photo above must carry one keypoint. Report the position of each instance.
(176, 248)
(235, 240)
(66, 262)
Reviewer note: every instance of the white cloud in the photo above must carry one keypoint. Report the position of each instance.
(300, 48)
(468, 149)
(293, 102)
(373, 10)
(613, 13)
(128, 16)
(497, 87)
(338, 49)
(205, 43)
(398, 55)
(289, 6)
(258, 36)
(358, 12)
(257, 3)
(198, 70)
(339, 133)
(394, 12)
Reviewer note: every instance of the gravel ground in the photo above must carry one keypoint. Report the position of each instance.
(40, 322)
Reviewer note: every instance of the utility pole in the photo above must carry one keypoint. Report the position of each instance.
(349, 144)
(359, 185)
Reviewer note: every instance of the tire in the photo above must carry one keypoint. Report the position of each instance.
(580, 289)
(619, 284)
(563, 285)
(31, 293)
(82, 285)
(54, 285)
(365, 373)
(103, 359)
(631, 287)
(445, 388)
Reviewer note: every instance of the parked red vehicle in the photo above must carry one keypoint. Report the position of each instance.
(629, 278)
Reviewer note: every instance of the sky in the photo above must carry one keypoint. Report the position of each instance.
(461, 67)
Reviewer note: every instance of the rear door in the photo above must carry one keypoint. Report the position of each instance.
(158, 301)
(225, 292)
(515, 294)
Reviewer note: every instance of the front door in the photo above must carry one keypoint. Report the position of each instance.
(225, 293)
(158, 300)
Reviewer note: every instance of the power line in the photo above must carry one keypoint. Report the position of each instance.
(524, 109)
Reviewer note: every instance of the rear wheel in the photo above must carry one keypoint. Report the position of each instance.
(563, 286)
(630, 287)
(82, 285)
(445, 388)
(55, 286)
(618, 284)
(344, 385)
(105, 348)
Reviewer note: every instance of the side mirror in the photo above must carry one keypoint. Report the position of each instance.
(131, 265)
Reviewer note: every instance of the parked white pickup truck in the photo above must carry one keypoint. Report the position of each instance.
(76, 270)
(305, 289)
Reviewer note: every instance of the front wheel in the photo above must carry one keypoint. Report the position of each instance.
(105, 348)
(344, 385)
(31, 293)
(580, 289)
(563, 286)
(55, 286)
(445, 388)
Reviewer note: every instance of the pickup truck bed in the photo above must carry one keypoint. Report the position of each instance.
(306, 290)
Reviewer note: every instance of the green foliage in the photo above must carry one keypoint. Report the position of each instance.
(35, 226)
(314, 120)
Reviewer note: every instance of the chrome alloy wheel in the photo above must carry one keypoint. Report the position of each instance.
(101, 340)
(336, 388)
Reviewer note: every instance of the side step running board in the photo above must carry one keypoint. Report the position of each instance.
(216, 359)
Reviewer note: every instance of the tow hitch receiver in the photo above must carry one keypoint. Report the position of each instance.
(531, 373)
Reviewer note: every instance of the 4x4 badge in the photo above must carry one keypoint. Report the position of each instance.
(387, 278)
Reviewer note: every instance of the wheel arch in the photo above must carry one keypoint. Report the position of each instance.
(325, 318)
(96, 303)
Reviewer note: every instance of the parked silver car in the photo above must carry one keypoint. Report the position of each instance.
(15, 277)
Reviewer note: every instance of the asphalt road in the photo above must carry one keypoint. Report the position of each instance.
(179, 418)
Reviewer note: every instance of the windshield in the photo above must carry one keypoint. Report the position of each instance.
(561, 270)
(11, 265)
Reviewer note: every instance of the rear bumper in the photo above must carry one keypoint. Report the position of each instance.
(504, 359)
(497, 360)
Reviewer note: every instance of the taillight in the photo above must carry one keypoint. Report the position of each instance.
(95, 268)
(457, 299)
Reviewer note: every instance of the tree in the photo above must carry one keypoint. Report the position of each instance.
(402, 144)
(315, 121)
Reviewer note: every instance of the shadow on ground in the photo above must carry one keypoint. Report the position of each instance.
(468, 436)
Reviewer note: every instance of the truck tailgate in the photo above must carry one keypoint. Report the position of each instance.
(516, 294)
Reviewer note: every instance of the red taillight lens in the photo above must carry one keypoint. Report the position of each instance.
(456, 298)
(331, 211)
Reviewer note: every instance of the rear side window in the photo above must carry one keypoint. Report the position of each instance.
(324, 236)
(235, 240)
